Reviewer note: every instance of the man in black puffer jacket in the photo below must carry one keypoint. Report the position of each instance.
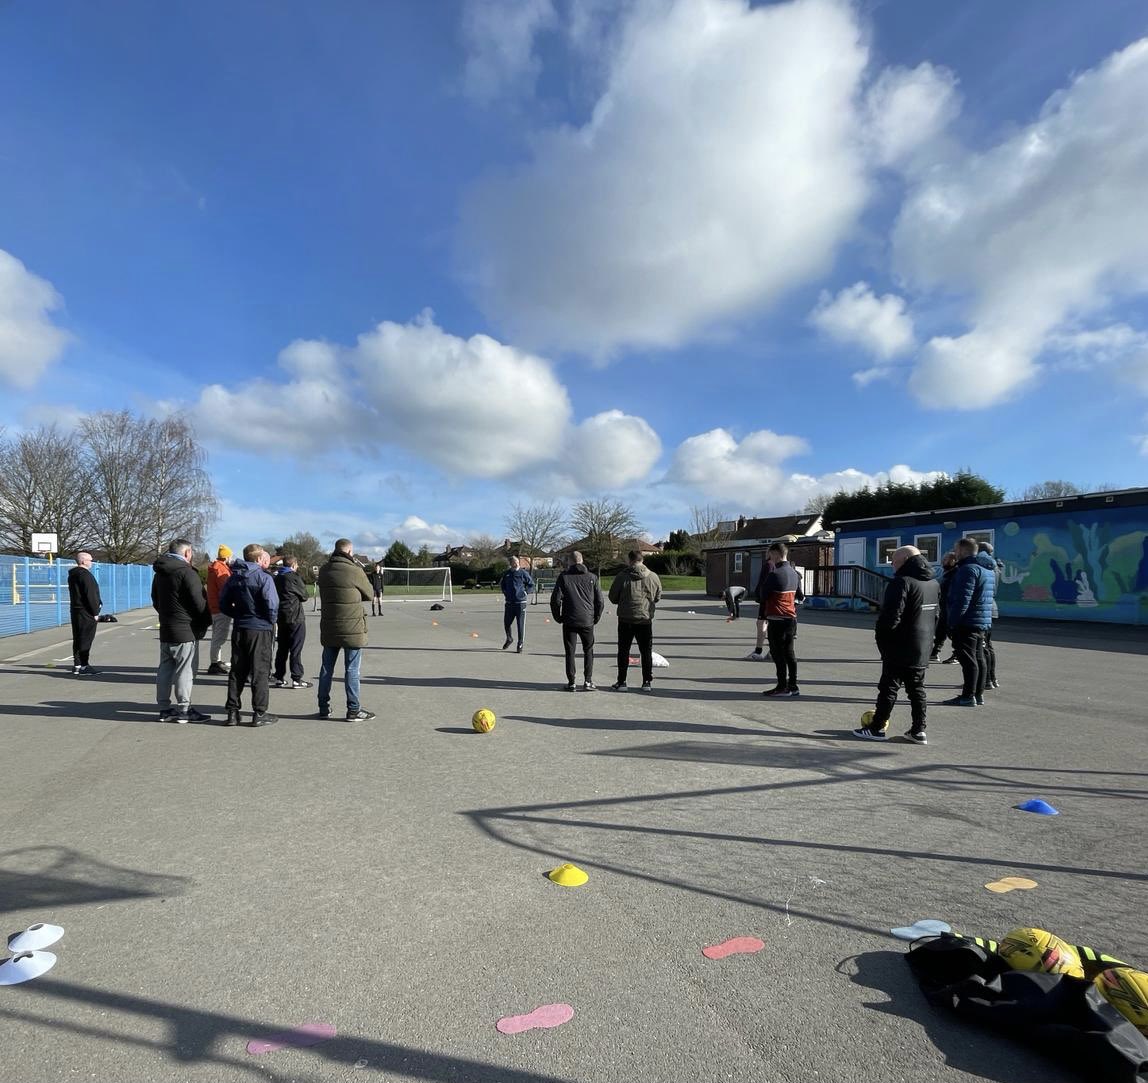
(292, 620)
(905, 629)
(179, 598)
(577, 605)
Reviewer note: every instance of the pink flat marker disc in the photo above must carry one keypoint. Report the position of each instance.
(738, 945)
(549, 1015)
(300, 1037)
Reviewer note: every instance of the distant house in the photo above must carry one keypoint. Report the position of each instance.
(534, 558)
(737, 558)
(454, 554)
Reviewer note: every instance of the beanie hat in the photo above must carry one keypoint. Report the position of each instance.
(224, 553)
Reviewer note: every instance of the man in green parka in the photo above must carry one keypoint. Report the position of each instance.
(343, 587)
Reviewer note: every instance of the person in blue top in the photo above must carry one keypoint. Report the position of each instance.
(986, 559)
(249, 599)
(970, 611)
(516, 585)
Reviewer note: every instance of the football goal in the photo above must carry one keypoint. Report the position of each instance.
(418, 583)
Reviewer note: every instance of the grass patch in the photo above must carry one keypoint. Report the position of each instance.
(696, 583)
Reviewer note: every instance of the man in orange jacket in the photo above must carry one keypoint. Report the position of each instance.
(217, 573)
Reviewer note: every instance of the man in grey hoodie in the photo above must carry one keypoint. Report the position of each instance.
(636, 592)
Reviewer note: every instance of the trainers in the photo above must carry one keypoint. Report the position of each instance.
(360, 715)
(776, 692)
(324, 713)
(85, 671)
(647, 686)
(232, 718)
(264, 719)
(519, 649)
(166, 716)
(950, 661)
(960, 701)
(757, 650)
(299, 684)
(917, 737)
(994, 685)
(219, 669)
(506, 645)
(866, 734)
(192, 715)
(620, 686)
(980, 700)
(569, 687)
(590, 686)
(794, 692)
(280, 683)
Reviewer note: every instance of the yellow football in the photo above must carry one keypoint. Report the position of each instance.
(1038, 949)
(1127, 991)
(483, 720)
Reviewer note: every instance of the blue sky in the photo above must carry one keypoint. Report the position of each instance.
(406, 264)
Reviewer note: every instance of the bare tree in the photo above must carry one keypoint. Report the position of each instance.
(307, 549)
(1050, 490)
(817, 503)
(604, 524)
(706, 521)
(486, 548)
(149, 484)
(540, 528)
(44, 486)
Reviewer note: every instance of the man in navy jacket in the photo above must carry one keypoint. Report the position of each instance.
(249, 599)
(970, 611)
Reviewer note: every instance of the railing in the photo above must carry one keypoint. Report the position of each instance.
(847, 581)
(34, 593)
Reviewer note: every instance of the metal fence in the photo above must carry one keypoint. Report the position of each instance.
(34, 593)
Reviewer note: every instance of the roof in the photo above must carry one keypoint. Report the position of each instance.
(1009, 508)
(763, 531)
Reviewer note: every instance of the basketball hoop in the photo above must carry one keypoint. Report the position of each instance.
(45, 545)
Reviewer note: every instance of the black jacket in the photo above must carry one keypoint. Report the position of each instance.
(180, 598)
(908, 618)
(292, 593)
(84, 592)
(577, 598)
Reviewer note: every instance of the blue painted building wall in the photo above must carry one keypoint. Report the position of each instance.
(1082, 563)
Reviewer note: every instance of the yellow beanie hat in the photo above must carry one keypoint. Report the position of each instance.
(224, 553)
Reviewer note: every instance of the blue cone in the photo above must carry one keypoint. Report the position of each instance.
(1041, 808)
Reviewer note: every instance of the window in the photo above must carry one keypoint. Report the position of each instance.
(885, 547)
(981, 536)
(737, 560)
(930, 546)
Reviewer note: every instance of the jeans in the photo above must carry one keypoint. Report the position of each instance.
(644, 634)
(177, 665)
(782, 631)
(83, 634)
(892, 677)
(352, 660)
(220, 635)
(291, 639)
(571, 634)
(515, 611)
(990, 658)
(969, 645)
(250, 661)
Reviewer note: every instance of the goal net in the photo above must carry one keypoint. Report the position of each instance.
(418, 583)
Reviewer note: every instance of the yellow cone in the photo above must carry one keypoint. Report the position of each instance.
(568, 875)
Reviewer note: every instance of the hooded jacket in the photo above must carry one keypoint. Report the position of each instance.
(908, 618)
(577, 599)
(292, 593)
(986, 560)
(343, 587)
(971, 596)
(516, 585)
(217, 572)
(248, 597)
(83, 593)
(177, 595)
(636, 592)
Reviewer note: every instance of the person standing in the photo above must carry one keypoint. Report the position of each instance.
(732, 597)
(576, 603)
(85, 603)
(986, 559)
(217, 572)
(516, 585)
(970, 608)
(376, 578)
(179, 598)
(759, 596)
(249, 599)
(292, 593)
(343, 587)
(636, 592)
(780, 592)
(948, 567)
(905, 629)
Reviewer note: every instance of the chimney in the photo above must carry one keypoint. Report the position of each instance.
(741, 521)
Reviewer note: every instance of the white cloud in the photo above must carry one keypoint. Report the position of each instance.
(473, 407)
(907, 110)
(1033, 234)
(610, 450)
(499, 38)
(1120, 348)
(857, 316)
(720, 167)
(29, 341)
(751, 476)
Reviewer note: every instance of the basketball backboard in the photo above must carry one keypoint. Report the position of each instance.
(44, 544)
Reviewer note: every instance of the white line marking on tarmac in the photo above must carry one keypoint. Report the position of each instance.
(39, 650)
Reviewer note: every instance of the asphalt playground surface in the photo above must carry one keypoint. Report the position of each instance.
(219, 886)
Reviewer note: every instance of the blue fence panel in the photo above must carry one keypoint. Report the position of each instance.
(34, 593)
